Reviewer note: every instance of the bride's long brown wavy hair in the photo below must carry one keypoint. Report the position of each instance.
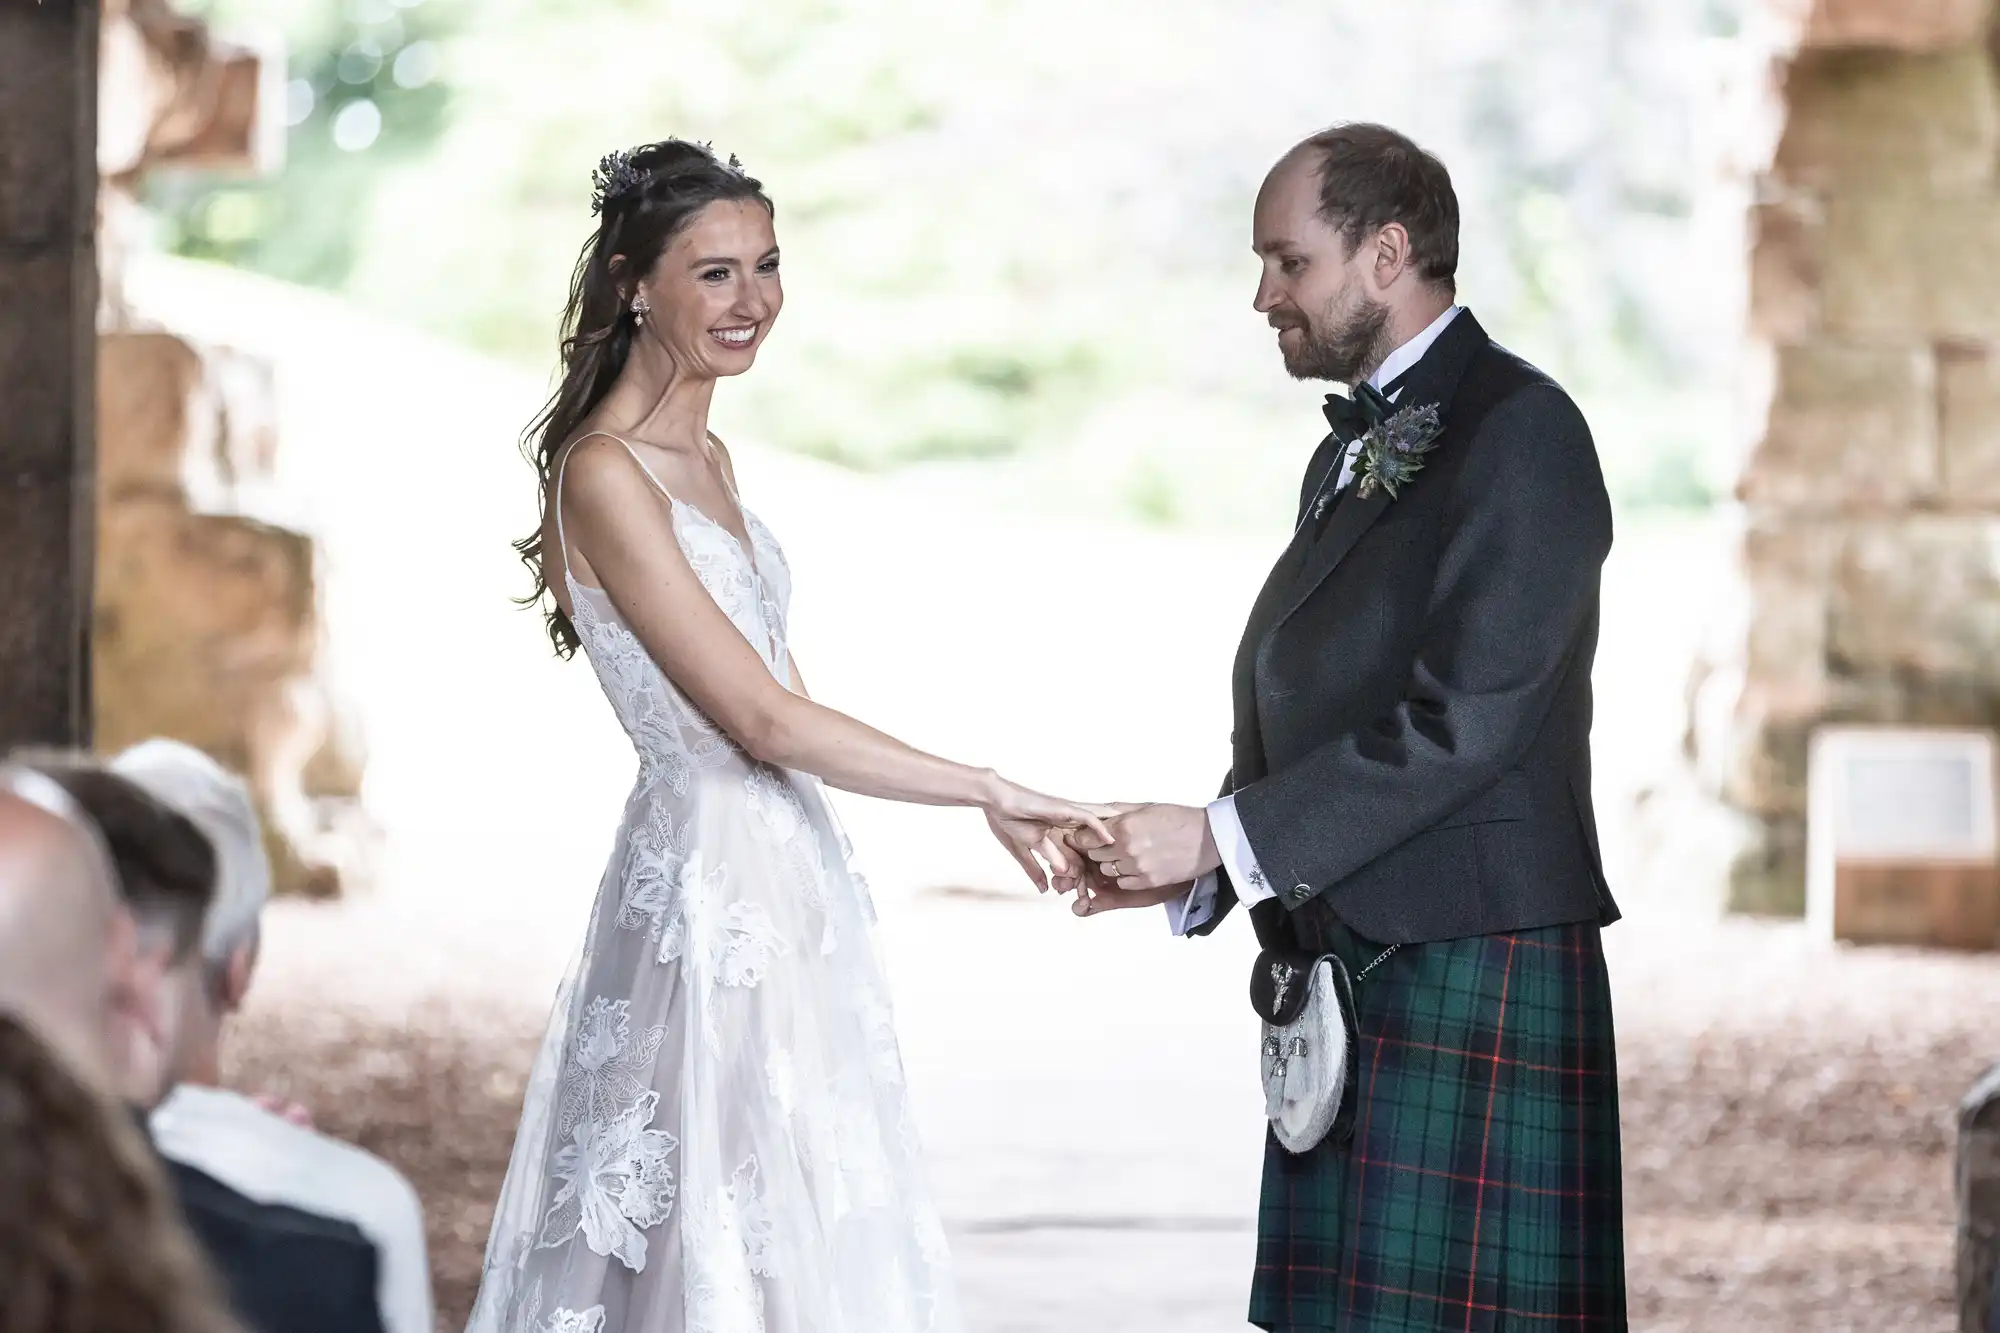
(644, 199)
(91, 1240)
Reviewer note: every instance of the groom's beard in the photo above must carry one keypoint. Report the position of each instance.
(1344, 351)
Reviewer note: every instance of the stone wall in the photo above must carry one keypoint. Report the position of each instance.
(206, 624)
(1870, 550)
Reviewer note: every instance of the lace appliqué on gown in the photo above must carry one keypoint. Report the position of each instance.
(559, 1320)
(715, 1137)
(617, 1179)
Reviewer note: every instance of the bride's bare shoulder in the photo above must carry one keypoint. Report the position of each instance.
(589, 438)
(594, 477)
(597, 454)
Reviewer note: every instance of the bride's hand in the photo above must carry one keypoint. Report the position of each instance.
(1084, 876)
(1028, 824)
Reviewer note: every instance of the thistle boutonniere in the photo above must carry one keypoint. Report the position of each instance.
(1392, 450)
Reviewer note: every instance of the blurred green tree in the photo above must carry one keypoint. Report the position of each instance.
(1019, 227)
(365, 93)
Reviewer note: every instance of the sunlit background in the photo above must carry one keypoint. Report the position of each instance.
(1018, 230)
(1018, 393)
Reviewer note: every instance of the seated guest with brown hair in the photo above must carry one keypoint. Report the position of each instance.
(231, 1137)
(163, 872)
(90, 1240)
(70, 966)
(287, 1270)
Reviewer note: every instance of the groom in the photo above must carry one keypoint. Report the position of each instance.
(1411, 768)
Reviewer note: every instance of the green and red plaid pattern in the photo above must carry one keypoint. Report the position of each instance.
(1481, 1191)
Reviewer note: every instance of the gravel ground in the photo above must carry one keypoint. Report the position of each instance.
(1788, 1120)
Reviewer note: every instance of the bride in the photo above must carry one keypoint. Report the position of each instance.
(715, 1137)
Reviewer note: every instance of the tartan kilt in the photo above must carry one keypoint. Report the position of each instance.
(1481, 1190)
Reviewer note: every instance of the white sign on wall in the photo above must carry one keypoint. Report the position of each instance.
(1888, 806)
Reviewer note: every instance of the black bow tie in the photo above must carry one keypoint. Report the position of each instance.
(1354, 416)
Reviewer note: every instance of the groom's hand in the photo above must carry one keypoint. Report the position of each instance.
(1095, 892)
(1102, 897)
(1153, 848)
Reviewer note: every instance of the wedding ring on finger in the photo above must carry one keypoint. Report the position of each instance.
(1111, 870)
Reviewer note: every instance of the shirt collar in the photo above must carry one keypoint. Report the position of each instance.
(1412, 351)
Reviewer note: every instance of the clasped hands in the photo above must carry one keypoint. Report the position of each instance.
(1144, 855)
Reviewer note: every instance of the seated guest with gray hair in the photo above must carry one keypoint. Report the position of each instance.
(287, 1269)
(229, 1136)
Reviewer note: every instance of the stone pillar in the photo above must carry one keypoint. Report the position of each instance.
(1978, 1187)
(48, 302)
(1870, 549)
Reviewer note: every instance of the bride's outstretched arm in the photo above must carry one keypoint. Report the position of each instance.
(625, 532)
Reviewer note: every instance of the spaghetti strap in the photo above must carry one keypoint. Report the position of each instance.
(563, 467)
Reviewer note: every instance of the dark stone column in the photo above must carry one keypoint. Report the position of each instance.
(1979, 1204)
(48, 343)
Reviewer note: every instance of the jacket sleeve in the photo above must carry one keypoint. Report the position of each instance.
(1527, 527)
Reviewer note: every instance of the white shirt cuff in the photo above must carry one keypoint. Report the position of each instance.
(1186, 914)
(1237, 858)
(1198, 907)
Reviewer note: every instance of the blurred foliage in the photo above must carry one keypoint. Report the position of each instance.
(364, 95)
(1020, 227)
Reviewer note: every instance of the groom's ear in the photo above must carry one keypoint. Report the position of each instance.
(1392, 254)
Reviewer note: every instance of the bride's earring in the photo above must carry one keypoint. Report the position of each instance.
(640, 309)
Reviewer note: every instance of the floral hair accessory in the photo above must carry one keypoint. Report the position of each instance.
(614, 178)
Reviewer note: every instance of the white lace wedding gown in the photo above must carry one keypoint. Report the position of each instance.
(716, 1137)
